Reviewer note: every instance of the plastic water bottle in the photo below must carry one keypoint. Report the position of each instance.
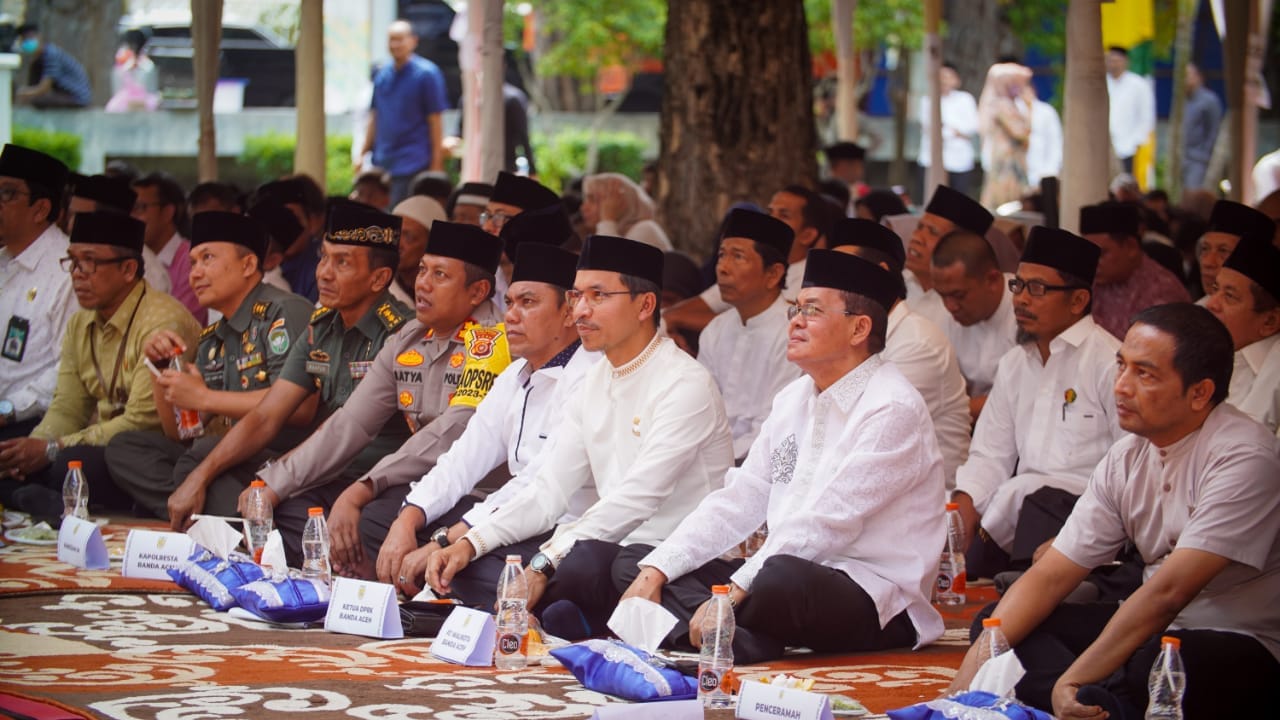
(716, 661)
(513, 616)
(315, 546)
(1167, 682)
(992, 642)
(257, 519)
(75, 492)
(951, 571)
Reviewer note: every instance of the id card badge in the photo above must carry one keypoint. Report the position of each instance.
(15, 339)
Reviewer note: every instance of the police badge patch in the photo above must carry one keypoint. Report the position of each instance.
(278, 340)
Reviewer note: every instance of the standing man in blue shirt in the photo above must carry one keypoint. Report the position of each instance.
(56, 79)
(405, 129)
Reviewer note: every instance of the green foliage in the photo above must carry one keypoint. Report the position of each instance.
(1041, 24)
(271, 156)
(887, 23)
(591, 34)
(64, 146)
(563, 157)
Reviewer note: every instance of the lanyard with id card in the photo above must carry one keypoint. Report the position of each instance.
(15, 339)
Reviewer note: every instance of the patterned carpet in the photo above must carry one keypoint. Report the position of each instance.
(123, 648)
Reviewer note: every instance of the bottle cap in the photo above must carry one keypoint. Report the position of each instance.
(75, 465)
(312, 512)
(990, 622)
(1171, 640)
(719, 589)
(258, 483)
(953, 506)
(515, 559)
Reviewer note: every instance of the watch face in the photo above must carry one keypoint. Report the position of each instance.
(539, 562)
(6, 407)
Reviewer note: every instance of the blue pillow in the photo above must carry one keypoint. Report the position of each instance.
(213, 578)
(289, 600)
(614, 668)
(951, 707)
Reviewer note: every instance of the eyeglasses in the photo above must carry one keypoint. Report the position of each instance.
(7, 194)
(88, 266)
(809, 311)
(498, 217)
(594, 298)
(1037, 288)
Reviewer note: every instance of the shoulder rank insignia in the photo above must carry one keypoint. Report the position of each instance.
(319, 313)
(260, 310)
(390, 316)
(208, 329)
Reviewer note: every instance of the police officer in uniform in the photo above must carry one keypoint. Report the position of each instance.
(429, 378)
(237, 359)
(358, 314)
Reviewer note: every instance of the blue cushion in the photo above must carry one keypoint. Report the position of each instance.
(213, 578)
(289, 600)
(951, 707)
(615, 668)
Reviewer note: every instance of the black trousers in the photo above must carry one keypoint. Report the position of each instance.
(1041, 518)
(584, 578)
(477, 585)
(149, 466)
(377, 517)
(1229, 675)
(41, 493)
(793, 602)
(291, 515)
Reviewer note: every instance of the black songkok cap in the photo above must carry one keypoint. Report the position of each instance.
(217, 226)
(108, 228)
(1258, 260)
(868, 234)
(279, 222)
(620, 255)
(353, 223)
(546, 264)
(289, 190)
(960, 209)
(1109, 217)
(467, 243)
(34, 166)
(522, 192)
(761, 228)
(473, 193)
(850, 273)
(115, 193)
(549, 225)
(845, 151)
(1063, 251)
(1239, 220)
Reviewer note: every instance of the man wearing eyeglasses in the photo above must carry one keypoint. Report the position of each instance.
(851, 488)
(113, 194)
(1051, 414)
(100, 370)
(35, 294)
(647, 430)
(512, 194)
(162, 205)
(1246, 298)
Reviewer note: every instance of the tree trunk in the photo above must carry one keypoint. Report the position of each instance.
(206, 36)
(900, 96)
(975, 38)
(737, 112)
(1086, 153)
(492, 118)
(1185, 11)
(937, 174)
(77, 26)
(846, 70)
(1243, 48)
(309, 153)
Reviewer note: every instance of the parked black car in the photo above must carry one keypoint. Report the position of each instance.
(265, 61)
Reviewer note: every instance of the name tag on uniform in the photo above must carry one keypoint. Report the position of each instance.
(80, 544)
(150, 553)
(757, 701)
(317, 368)
(357, 607)
(466, 638)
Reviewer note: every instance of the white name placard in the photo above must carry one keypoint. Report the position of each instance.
(80, 544)
(671, 710)
(757, 701)
(150, 553)
(466, 638)
(357, 607)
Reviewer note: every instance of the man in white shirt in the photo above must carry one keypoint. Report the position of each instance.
(979, 322)
(647, 428)
(959, 130)
(1050, 415)
(511, 425)
(947, 210)
(1196, 488)
(1044, 145)
(35, 293)
(914, 345)
(745, 349)
(1133, 107)
(851, 490)
(1246, 298)
(1228, 222)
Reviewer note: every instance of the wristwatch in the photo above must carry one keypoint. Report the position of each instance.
(7, 411)
(541, 564)
(441, 537)
(51, 450)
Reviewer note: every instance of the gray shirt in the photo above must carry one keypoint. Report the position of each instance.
(1200, 119)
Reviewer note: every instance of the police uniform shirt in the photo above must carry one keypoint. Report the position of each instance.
(749, 363)
(1051, 421)
(844, 478)
(1216, 490)
(921, 352)
(1255, 381)
(980, 346)
(248, 350)
(36, 302)
(409, 387)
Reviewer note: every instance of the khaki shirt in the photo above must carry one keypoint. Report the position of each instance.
(128, 403)
(411, 384)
